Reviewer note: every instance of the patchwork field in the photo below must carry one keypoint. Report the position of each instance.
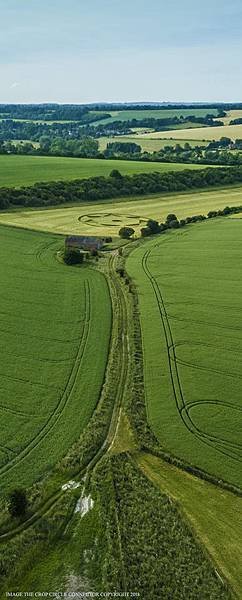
(147, 144)
(160, 113)
(199, 133)
(106, 218)
(230, 115)
(17, 170)
(49, 382)
(190, 296)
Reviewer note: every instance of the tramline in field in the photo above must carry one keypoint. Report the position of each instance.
(189, 288)
(52, 319)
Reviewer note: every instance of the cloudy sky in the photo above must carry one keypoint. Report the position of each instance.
(120, 50)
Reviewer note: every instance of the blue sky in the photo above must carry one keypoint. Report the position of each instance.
(120, 50)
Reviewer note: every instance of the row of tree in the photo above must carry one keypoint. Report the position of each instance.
(172, 222)
(11, 129)
(34, 131)
(117, 185)
(50, 112)
(88, 147)
(85, 147)
(218, 154)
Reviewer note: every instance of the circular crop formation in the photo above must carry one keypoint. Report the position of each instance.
(112, 220)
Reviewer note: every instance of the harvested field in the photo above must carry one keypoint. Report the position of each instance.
(106, 218)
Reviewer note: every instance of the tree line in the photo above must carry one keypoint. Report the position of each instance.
(49, 112)
(117, 185)
(29, 130)
(152, 226)
(172, 222)
(82, 125)
(215, 153)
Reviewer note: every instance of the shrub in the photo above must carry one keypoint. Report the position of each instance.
(18, 503)
(153, 226)
(126, 232)
(145, 232)
(174, 224)
(171, 217)
(116, 174)
(73, 256)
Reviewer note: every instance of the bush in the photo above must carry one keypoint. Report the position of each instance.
(153, 226)
(171, 217)
(73, 256)
(18, 503)
(145, 231)
(126, 232)
(174, 224)
(116, 174)
(94, 252)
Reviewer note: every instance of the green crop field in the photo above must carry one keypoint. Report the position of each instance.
(50, 383)
(106, 218)
(203, 503)
(16, 170)
(160, 113)
(147, 144)
(190, 297)
(199, 133)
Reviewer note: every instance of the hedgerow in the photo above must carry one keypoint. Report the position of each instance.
(147, 541)
(117, 185)
(137, 412)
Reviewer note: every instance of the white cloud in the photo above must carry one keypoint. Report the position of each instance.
(15, 84)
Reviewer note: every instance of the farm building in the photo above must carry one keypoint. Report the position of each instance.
(84, 242)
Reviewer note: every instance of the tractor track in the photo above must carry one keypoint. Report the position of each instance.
(214, 442)
(116, 290)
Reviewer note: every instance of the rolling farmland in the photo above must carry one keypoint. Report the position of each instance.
(16, 171)
(160, 113)
(107, 218)
(52, 319)
(190, 292)
(199, 133)
(230, 115)
(147, 144)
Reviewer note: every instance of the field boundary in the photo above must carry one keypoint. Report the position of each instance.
(182, 408)
(147, 441)
(121, 338)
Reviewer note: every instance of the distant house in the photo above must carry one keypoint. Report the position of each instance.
(84, 242)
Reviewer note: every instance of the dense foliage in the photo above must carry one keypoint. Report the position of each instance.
(49, 112)
(148, 541)
(98, 188)
(117, 148)
(152, 227)
(73, 256)
(18, 503)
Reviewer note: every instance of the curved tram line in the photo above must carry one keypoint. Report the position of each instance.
(64, 397)
(223, 446)
(121, 314)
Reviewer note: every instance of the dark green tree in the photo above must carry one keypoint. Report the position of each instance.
(171, 217)
(73, 256)
(153, 226)
(126, 232)
(18, 503)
